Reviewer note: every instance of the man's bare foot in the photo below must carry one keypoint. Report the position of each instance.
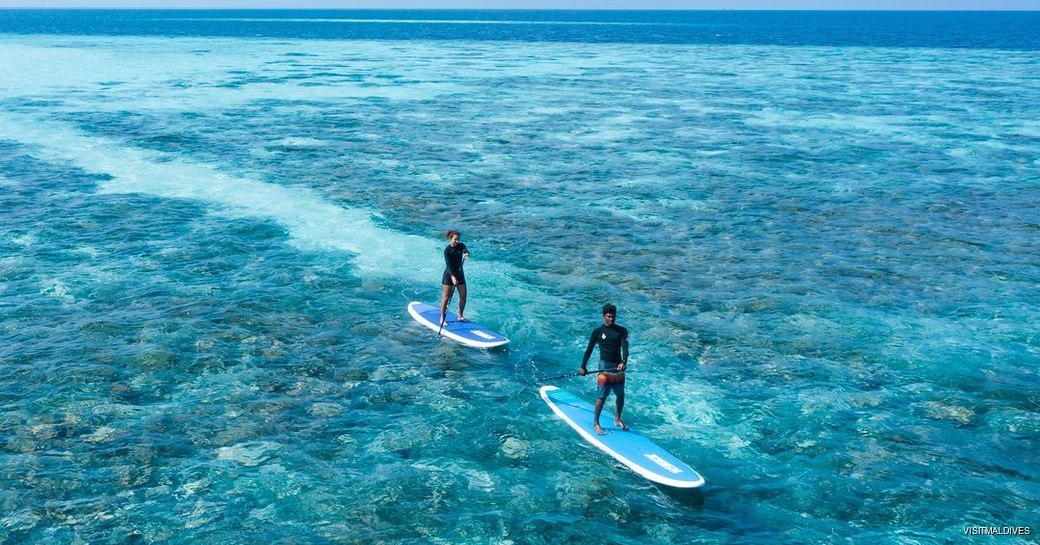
(620, 424)
(599, 429)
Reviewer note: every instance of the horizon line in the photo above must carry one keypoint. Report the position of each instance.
(239, 8)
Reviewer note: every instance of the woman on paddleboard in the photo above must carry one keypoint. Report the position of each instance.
(613, 357)
(454, 277)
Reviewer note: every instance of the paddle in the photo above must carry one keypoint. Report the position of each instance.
(576, 375)
(451, 293)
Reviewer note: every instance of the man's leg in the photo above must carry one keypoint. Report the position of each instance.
(619, 400)
(595, 417)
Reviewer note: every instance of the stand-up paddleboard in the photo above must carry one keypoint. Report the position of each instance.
(467, 333)
(628, 447)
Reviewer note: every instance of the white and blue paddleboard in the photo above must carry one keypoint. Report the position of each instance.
(467, 333)
(628, 447)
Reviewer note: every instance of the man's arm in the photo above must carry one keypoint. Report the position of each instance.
(624, 348)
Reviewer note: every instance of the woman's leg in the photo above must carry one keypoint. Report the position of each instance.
(462, 300)
(445, 295)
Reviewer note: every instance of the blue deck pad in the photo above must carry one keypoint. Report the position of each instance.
(635, 451)
(467, 333)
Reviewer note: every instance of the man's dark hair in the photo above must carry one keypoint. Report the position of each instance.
(609, 309)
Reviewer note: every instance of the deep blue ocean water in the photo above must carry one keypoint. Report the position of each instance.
(821, 230)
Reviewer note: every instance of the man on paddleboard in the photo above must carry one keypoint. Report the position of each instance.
(613, 356)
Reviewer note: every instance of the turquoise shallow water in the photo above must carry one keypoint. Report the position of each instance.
(827, 257)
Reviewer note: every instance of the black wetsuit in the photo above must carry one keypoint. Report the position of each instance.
(453, 264)
(613, 346)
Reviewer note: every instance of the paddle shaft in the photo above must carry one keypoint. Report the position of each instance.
(576, 375)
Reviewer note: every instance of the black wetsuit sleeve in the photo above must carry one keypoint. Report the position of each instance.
(589, 348)
(624, 347)
(461, 251)
(449, 261)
